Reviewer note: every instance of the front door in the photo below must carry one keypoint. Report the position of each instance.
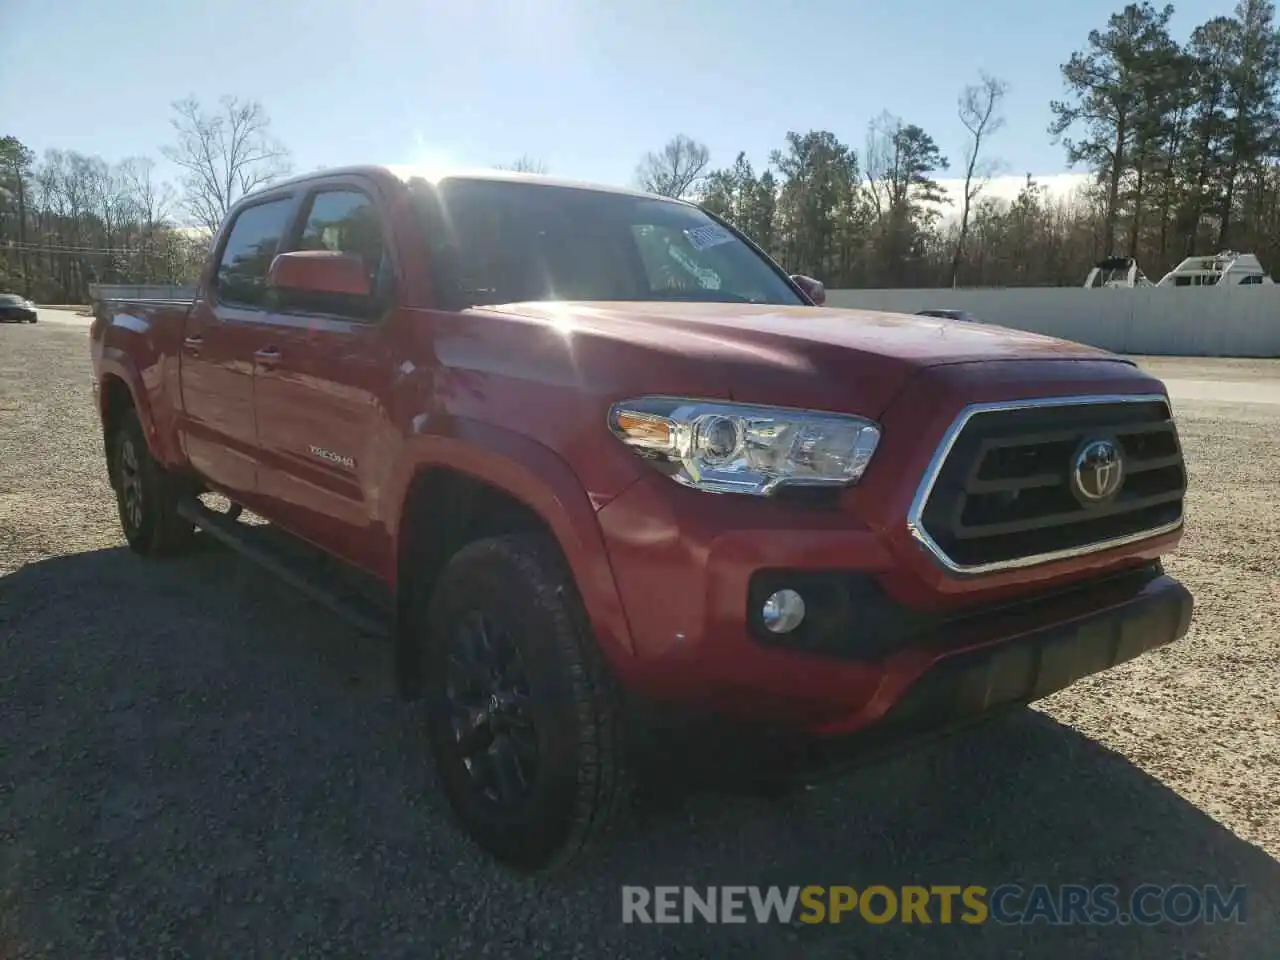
(321, 387)
(223, 331)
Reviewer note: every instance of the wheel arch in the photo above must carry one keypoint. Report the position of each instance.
(120, 388)
(482, 480)
(115, 399)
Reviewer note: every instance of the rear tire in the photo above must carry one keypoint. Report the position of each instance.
(146, 494)
(524, 718)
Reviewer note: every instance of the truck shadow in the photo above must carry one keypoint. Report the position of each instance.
(230, 757)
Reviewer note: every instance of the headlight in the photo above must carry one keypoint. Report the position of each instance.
(743, 448)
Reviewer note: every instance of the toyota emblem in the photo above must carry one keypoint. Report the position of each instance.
(1098, 471)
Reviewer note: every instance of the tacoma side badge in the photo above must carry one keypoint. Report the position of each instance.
(332, 457)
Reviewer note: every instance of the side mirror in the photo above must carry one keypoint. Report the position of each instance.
(325, 272)
(813, 289)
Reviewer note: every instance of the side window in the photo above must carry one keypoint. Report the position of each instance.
(345, 221)
(251, 246)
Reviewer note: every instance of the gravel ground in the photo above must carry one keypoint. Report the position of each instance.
(194, 761)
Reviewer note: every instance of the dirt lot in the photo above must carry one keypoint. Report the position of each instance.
(196, 762)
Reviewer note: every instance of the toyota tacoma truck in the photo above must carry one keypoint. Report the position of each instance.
(593, 461)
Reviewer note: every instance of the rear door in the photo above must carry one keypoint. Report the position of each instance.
(321, 388)
(223, 331)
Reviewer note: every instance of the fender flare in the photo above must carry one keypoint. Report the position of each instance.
(533, 474)
(118, 364)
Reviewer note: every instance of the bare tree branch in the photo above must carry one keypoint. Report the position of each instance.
(674, 170)
(151, 199)
(523, 164)
(979, 111)
(224, 154)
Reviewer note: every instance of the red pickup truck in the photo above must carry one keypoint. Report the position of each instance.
(595, 462)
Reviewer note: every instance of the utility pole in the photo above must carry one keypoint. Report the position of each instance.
(22, 235)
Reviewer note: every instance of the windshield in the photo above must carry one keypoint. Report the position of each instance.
(497, 241)
(10, 299)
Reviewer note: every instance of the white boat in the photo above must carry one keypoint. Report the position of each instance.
(1226, 269)
(1115, 273)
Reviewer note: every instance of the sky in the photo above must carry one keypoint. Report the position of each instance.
(584, 86)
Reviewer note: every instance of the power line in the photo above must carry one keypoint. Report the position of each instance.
(37, 247)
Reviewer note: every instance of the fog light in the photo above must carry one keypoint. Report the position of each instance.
(783, 611)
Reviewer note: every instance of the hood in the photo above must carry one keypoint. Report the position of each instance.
(824, 358)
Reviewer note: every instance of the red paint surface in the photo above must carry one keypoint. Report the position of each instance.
(518, 397)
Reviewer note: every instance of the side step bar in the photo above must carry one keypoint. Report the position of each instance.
(255, 542)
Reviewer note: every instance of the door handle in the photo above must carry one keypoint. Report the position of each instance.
(193, 343)
(267, 357)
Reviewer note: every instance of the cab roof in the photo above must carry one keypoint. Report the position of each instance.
(406, 173)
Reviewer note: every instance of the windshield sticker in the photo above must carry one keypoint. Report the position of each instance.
(712, 235)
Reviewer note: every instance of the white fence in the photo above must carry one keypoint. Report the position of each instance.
(1188, 322)
(153, 291)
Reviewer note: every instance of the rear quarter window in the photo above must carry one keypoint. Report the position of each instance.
(251, 245)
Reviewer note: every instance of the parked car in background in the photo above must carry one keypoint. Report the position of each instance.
(601, 463)
(16, 309)
(962, 315)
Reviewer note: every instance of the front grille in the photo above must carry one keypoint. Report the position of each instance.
(1003, 493)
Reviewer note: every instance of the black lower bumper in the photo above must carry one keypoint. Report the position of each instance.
(969, 686)
(960, 689)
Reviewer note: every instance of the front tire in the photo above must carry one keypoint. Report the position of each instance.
(524, 718)
(146, 494)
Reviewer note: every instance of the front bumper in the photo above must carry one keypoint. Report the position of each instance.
(962, 690)
(692, 577)
(959, 686)
(968, 684)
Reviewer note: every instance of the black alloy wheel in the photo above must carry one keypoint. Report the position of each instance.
(490, 711)
(524, 717)
(129, 494)
(147, 495)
